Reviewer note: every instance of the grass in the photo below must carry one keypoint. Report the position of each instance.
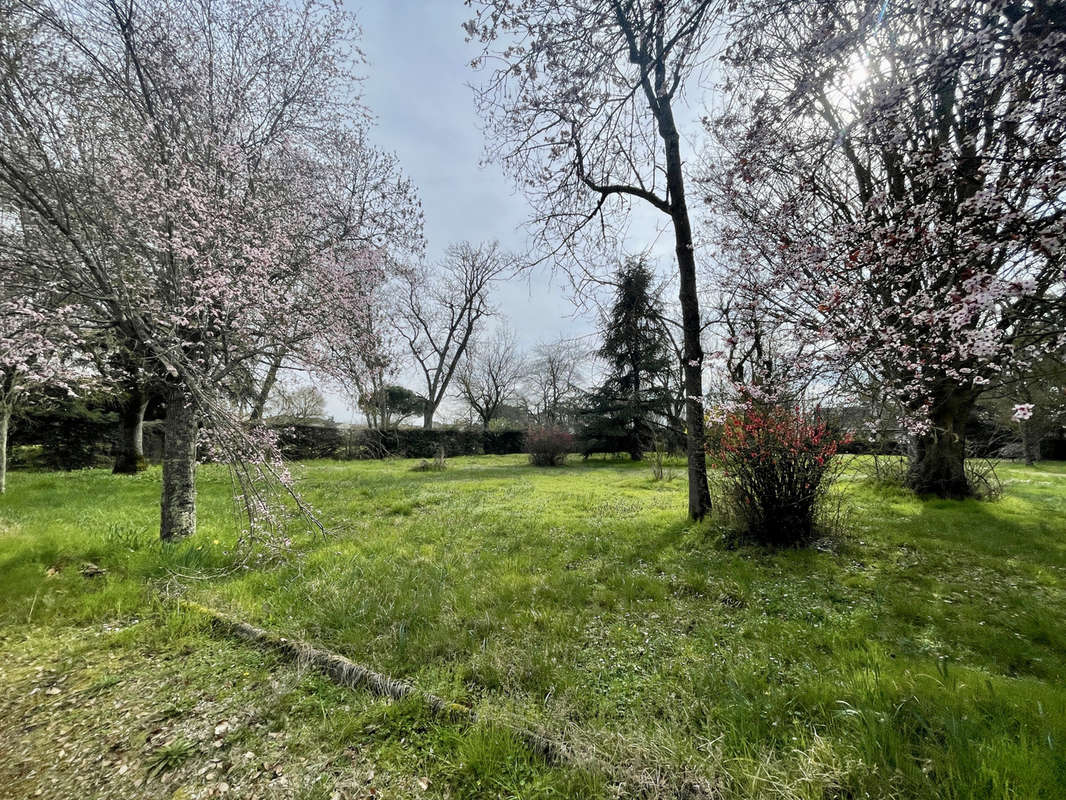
(923, 655)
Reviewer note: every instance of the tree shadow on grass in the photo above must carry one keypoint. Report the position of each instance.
(977, 581)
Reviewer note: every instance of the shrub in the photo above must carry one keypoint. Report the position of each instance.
(660, 470)
(778, 466)
(884, 470)
(548, 447)
(982, 476)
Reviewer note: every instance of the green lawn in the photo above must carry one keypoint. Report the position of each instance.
(921, 655)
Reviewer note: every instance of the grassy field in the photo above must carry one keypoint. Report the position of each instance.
(922, 654)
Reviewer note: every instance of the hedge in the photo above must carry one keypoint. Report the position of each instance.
(421, 443)
(302, 442)
(72, 436)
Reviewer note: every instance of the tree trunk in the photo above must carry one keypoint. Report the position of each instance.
(636, 444)
(130, 457)
(699, 494)
(178, 505)
(5, 420)
(427, 417)
(259, 406)
(938, 458)
(1030, 444)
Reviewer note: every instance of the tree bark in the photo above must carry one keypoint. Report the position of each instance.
(259, 406)
(636, 443)
(699, 494)
(5, 421)
(130, 457)
(178, 503)
(938, 458)
(1030, 444)
(427, 417)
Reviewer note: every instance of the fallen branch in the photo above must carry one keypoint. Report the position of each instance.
(340, 670)
(345, 672)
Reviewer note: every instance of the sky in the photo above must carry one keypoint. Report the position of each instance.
(417, 88)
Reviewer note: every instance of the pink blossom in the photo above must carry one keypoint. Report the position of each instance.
(1023, 411)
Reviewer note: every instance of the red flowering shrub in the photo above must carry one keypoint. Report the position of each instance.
(778, 466)
(547, 447)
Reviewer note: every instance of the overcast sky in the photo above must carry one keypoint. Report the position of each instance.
(416, 87)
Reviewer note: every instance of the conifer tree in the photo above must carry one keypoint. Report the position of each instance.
(623, 414)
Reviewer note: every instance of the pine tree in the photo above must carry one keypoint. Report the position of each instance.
(625, 412)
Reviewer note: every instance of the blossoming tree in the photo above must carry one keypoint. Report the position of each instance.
(166, 160)
(891, 178)
(37, 350)
(371, 208)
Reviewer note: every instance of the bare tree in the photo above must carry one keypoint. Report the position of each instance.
(581, 111)
(489, 375)
(552, 384)
(440, 315)
(300, 403)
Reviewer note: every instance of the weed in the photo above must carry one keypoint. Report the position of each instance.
(169, 757)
